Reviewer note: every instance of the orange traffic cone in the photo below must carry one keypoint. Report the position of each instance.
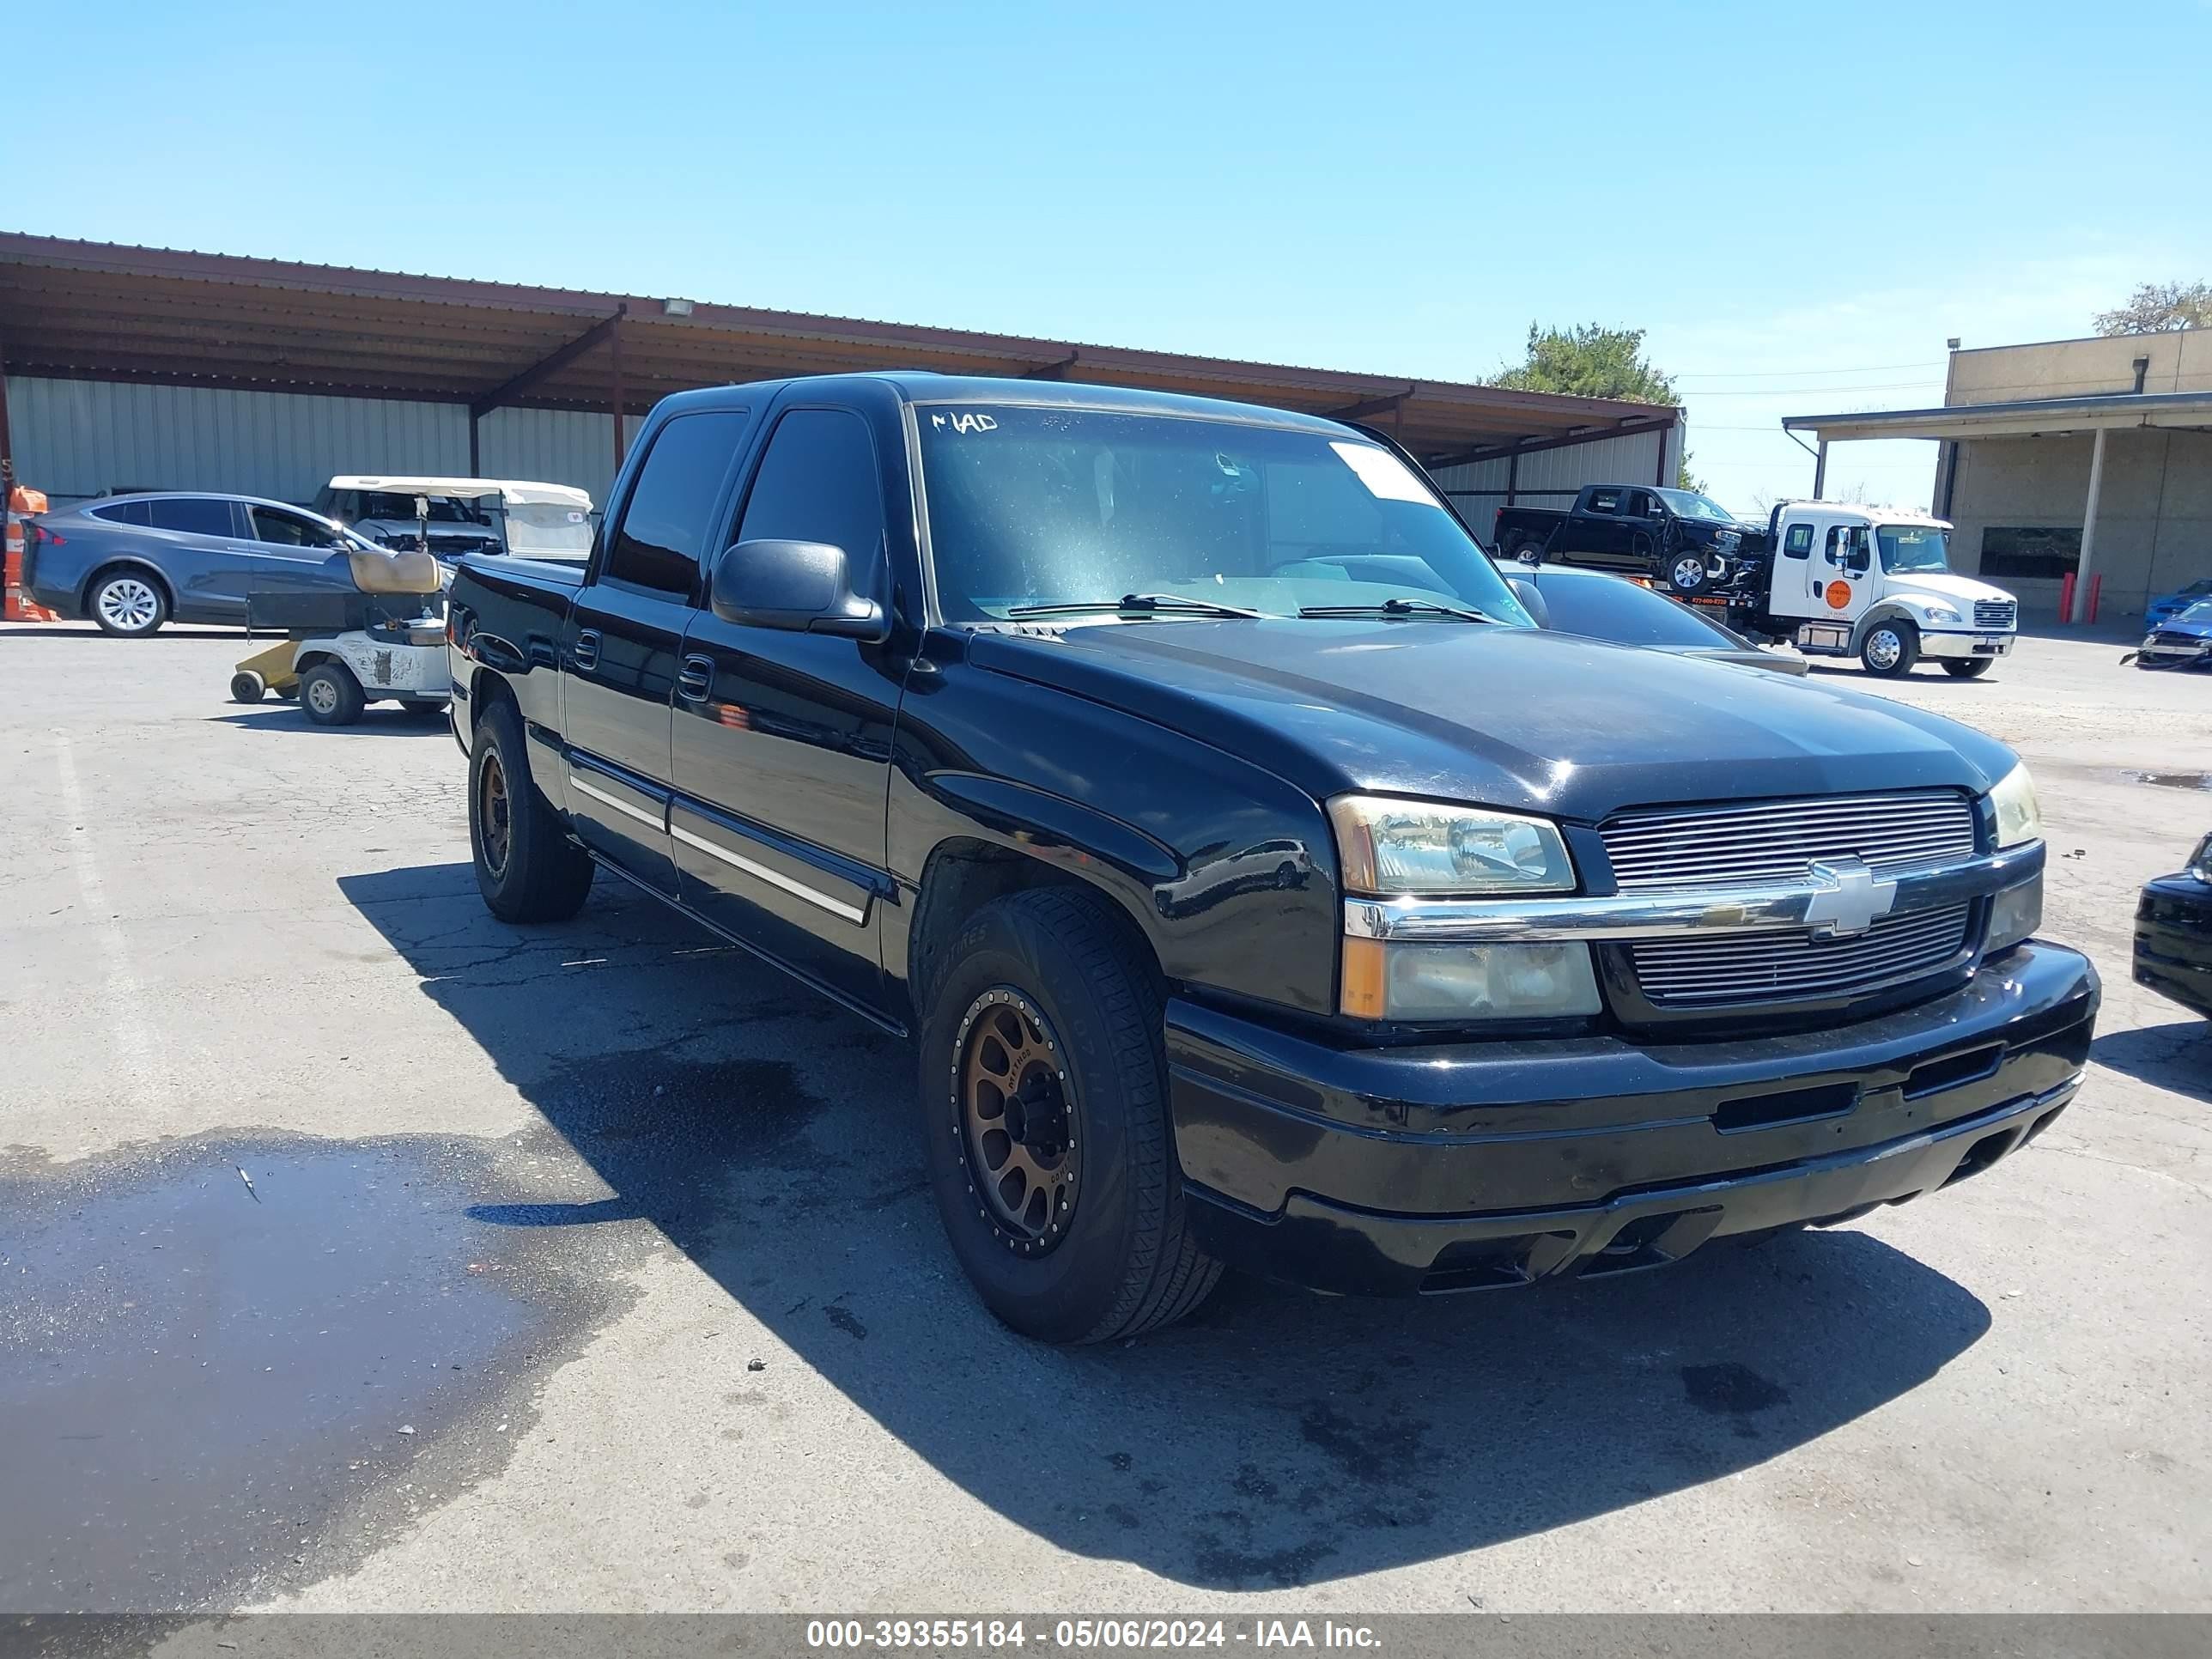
(19, 607)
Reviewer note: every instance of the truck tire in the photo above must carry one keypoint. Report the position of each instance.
(1890, 648)
(1685, 573)
(1968, 668)
(1529, 552)
(329, 695)
(1043, 1084)
(527, 868)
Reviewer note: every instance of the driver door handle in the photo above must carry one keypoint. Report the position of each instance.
(696, 679)
(584, 653)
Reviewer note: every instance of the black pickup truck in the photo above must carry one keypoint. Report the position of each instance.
(1255, 882)
(1687, 541)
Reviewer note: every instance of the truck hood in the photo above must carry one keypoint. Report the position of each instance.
(1941, 585)
(1517, 718)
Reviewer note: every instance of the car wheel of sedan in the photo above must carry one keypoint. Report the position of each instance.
(1044, 1095)
(1687, 573)
(331, 695)
(1971, 669)
(527, 868)
(1890, 648)
(129, 604)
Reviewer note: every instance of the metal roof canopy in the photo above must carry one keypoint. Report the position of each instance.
(99, 311)
(2040, 416)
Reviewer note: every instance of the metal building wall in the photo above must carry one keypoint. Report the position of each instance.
(1551, 477)
(551, 445)
(79, 438)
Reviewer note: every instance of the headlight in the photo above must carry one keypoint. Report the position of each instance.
(1396, 980)
(1388, 847)
(1941, 613)
(1726, 541)
(2018, 818)
(2200, 861)
(1394, 848)
(2014, 914)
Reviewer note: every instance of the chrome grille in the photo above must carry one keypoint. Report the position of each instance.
(1786, 967)
(1777, 840)
(1994, 613)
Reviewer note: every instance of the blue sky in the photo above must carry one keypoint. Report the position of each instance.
(1798, 202)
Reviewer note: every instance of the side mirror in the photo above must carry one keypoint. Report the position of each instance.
(799, 586)
(1532, 600)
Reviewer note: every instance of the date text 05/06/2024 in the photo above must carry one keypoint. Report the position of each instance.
(1003, 1635)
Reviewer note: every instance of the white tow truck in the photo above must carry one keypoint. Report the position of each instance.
(1837, 580)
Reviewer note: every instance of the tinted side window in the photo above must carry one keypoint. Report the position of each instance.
(1644, 506)
(1605, 500)
(818, 482)
(663, 527)
(1799, 542)
(273, 524)
(195, 516)
(123, 512)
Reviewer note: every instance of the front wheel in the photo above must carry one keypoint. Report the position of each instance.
(1044, 1104)
(1890, 648)
(331, 695)
(1972, 668)
(1687, 574)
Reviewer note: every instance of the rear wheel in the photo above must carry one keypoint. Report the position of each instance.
(1044, 1105)
(246, 686)
(1890, 648)
(331, 695)
(1529, 552)
(128, 603)
(526, 869)
(1972, 668)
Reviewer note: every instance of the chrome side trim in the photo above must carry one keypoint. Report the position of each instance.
(1769, 907)
(577, 783)
(773, 878)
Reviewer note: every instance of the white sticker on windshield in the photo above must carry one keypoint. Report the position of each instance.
(1387, 478)
(963, 420)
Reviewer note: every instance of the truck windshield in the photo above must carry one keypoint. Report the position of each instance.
(1688, 504)
(1912, 547)
(1031, 506)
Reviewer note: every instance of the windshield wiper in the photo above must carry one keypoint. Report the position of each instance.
(1401, 607)
(1143, 602)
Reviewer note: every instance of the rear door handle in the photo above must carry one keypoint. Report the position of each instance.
(696, 679)
(585, 651)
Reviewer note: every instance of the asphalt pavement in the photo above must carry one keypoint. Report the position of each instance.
(360, 1252)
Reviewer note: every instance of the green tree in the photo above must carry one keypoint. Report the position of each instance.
(1593, 361)
(2160, 308)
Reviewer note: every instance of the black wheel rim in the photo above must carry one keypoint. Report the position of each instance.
(495, 819)
(1014, 1114)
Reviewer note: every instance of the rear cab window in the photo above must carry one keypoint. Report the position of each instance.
(660, 541)
(1607, 501)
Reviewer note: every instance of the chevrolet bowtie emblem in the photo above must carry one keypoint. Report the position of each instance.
(1846, 898)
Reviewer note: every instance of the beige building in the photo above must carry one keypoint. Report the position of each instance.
(2090, 456)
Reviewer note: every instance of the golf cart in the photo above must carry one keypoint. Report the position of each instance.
(385, 640)
(449, 518)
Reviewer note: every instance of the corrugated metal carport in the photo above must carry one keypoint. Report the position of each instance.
(461, 350)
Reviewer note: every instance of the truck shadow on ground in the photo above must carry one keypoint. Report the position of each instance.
(2177, 1056)
(379, 719)
(1274, 1439)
